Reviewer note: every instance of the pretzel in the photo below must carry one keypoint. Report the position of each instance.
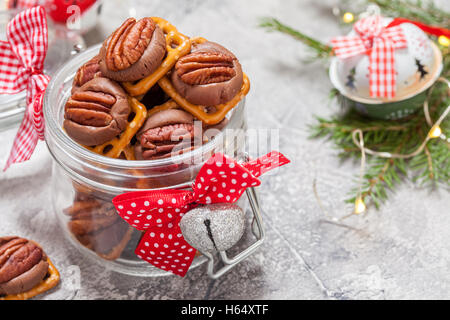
(197, 40)
(128, 152)
(198, 111)
(47, 284)
(121, 143)
(173, 37)
(165, 106)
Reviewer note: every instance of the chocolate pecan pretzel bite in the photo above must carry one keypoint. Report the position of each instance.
(172, 131)
(210, 75)
(162, 132)
(133, 51)
(25, 269)
(97, 226)
(97, 112)
(87, 72)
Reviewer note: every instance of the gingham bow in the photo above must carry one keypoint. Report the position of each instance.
(22, 3)
(379, 43)
(21, 68)
(159, 212)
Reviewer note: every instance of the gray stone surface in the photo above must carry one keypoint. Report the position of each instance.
(399, 252)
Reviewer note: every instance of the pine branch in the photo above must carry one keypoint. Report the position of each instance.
(430, 167)
(321, 50)
(424, 11)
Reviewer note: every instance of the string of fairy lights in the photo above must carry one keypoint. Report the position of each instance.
(358, 139)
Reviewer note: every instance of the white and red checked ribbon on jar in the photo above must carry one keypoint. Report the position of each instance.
(22, 65)
(158, 212)
(379, 42)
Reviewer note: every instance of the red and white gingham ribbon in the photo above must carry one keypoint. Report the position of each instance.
(22, 4)
(21, 68)
(379, 43)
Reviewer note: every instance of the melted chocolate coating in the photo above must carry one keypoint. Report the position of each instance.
(162, 132)
(149, 61)
(86, 72)
(23, 265)
(210, 94)
(90, 135)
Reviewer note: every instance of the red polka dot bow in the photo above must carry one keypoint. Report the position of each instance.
(159, 212)
(379, 43)
(21, 68)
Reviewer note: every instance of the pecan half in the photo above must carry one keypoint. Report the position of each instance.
(87, 72)
(96, 112)
(160, 142)
(208, 76)
(23, 265)
(205, 67)
(172, 132)
(128, 43)
(90, 108)
(133, 51)
(163, 132)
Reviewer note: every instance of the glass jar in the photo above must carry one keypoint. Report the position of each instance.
(84, 183)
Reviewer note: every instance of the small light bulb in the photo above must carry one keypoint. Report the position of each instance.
(360, 207)
(348, 17)
(435, 132)
(444, 41)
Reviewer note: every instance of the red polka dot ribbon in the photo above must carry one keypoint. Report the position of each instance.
(379, 43)
(158, 213)
(21, 68)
